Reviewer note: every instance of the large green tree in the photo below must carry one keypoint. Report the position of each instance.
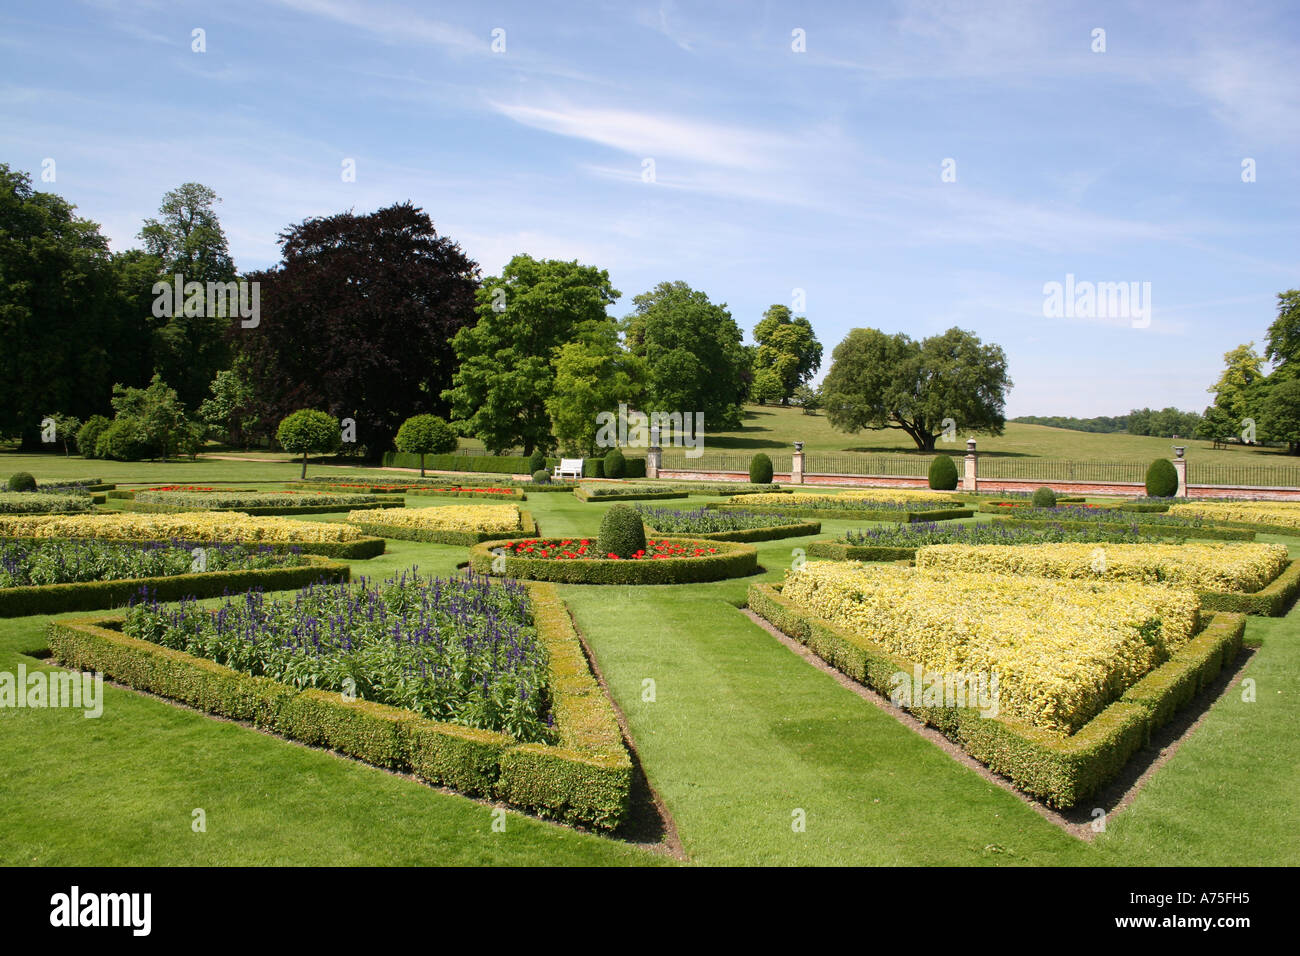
(505, 375)
(1243, 368)
(358, 320)
(879, 381)
(592, 375)
(788, 348)
(1282, 343)
(68, 328)
(693, 354)
(186, 240)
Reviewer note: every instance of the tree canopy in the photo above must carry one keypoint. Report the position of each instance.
(787, 349)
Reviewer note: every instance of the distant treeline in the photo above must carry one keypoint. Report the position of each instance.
(1162, 423)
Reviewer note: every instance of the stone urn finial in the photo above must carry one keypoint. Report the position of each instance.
(1179, 450)
(798, 446)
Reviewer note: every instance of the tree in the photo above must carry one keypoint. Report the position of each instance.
(67, 329)
(426, 435)
(65, 430)
(1243, 368)
(891, 381)
(309, 430)
(156, 411)
(1280, 416)
(592, 375)
(358, 319)
(1282, 343)
(187, 240)
(500, 391)
(808, 398)
(693, 354)
(766, 386)
(228, 412)
(787, 347)
(1216, 425)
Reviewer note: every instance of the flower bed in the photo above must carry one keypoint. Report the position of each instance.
(848, 507)
(1165, 526)
(1231, 567)
(253, 502)
(1277, 517)
(1062, 650)
(32, 503)
(623, 492)
(713, 525)
(232, 527)
(1003, 507)
(901, 542)
(50, 576)
(458, 491)
(452, 524)
(576, 561)
(582, 774)
(1059, 769)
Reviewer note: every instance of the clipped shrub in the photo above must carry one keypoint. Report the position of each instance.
(310, 430)
(943, 474)
(425, 435)
(760, 469)
(88, 435)
(615, 464)
(22, 481)
(537, 461)
(541, 477)
(1044, 497)
(1162, 479)
(621, 532)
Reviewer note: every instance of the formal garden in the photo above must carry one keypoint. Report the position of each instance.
(369, 665)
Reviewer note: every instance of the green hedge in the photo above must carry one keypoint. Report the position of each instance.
(585, 779)
(898, 516)
(527, 527)
(439, 493)
(287, 510)
(503, 464)
(1217, 533)
(1062, 771)
(1272, 600)
(827, 550)
(770, 533)
(733, 560)
(96, 595)
(357, 550)
(585, 494)
(1143, 507)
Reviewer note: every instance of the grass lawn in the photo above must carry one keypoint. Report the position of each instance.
(740, 735)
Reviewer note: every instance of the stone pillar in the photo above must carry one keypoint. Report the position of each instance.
(1180, 466)
(796, 464)
(970, 480)
(653, 460)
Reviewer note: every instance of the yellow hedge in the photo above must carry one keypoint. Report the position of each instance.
(1062, 650)
(866, 495)
(187, 526)
(1234, 567)
(1283, 514)
(476, 518)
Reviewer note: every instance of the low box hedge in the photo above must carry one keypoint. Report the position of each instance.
(851, 514)
(770, 533)
(286, 510)
(503, 464)
(96, 595)
(585, 778)
(513, 495)
(828, 550)
(359, 550)
(1216, 533)
(733, 560)
(1061, 771)
(527, 526)
(1272, 600)
(591, 494)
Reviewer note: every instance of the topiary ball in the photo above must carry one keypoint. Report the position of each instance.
(621, 532)
(943, 474)
(22, 481)
(541, 477)
(760, 469)
(615, 464)
(1044, 497)
(537, 461)
(1162, 479)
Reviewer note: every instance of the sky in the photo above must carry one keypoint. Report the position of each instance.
(908, 166)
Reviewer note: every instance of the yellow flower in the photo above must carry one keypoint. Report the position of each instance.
(187, 526)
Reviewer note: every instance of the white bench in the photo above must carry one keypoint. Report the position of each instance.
(568, 468)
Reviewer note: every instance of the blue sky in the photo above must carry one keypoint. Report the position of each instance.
(775, 170)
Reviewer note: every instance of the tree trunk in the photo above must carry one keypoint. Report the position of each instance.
(304, 464)
(421, 464)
